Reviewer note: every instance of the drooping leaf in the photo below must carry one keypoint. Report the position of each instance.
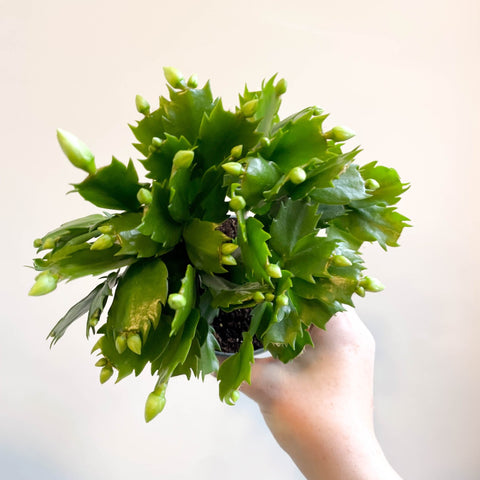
(285, 352)
(114, 186)
(225, 293)
(138, 300)
(203, 242)
(254, 248)
(381, 224)
(157, 222)
(188, 290)
(236, 369)
(99, 301)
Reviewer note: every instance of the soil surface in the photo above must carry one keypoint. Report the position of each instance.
(229, 227)
(229, 327)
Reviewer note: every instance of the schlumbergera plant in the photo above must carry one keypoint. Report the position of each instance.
(243, 214)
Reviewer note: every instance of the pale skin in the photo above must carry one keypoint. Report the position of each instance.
(319, 407)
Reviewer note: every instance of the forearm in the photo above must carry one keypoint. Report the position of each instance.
(330, 449)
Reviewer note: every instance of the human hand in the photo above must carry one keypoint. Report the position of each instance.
(319, 406)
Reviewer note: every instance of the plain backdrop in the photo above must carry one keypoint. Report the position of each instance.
(404, 75)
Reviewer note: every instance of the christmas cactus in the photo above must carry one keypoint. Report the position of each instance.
(297, 209)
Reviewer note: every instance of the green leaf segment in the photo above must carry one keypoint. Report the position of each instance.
(302, 209)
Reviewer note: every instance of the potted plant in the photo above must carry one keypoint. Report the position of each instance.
(245, 233)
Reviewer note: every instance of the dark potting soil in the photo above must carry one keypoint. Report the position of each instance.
(229, 227)
(229, 327)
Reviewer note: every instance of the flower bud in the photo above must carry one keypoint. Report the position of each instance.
(106, 228)
(173, 76)
(105, 373)
(236, 152)
(297, 175)
(103, 242)
(183, 159)
(281, 87)
(234, 396)
(237, 203)
(121, 343)
(228, 248)
(49, 243)
(269, 297)
(228, 260)
(341, 261)
(265, 142)
(37, 243)
(340, 134)
(101, 362)
(317, 111)
(233, 168)
(142, 105)
(371, 184)
(249, 108)
(258, 297)
(273, 270)
(157, 142)
(144, 196)
(94, 318)
(360, 291)
(282, 300)
(134, 343)
(371, 284)
(193, 81)
(154, 405)
(176, 301)
(76, 151)
(45, 282)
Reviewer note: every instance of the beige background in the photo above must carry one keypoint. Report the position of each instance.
(404, 75)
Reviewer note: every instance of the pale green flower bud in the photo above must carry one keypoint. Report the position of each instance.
(265, 142)
(236, 152)
(103, 242)
(258, 297)
(233, 168)
(297, 175)
(176, 301)
(134, 343)
(269, 297)
(281, 87)
(45, 282)
(340, 134)
(371, 284)
(282, 300)
(360, 291)
(144, 196)
(274, 271)
(183, 159)
(317, 111)
(37, 243)
(228, 248)
(154, 405)
(371, 184)
(173, 76)
(76, 151)
(193, 81)
(105, 373)
(101, 362)
(228, 260)
(105, 228)
(142, 105)
(237, 203)
(341, 261)
(249, 108)
(121, 343)
(49, 243)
